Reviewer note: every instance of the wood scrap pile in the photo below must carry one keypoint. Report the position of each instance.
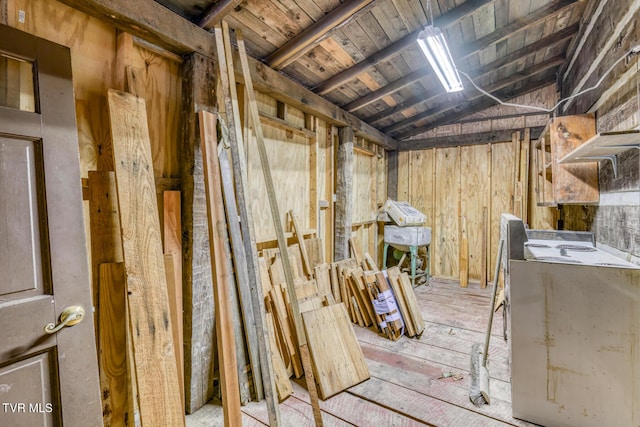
(383, 300)
(337, 358)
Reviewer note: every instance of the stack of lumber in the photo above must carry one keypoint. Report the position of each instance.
(383, 300)
(337, 359)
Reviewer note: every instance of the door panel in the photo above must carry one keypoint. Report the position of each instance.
(45, 379)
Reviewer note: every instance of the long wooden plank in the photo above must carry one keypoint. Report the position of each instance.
(172, 237)
(217, 236)
(394, 280)
(283, 385)
(242, 274)
(114, 355)
(157, 377)
(174, 282)
(264, 383)
(106, 247)
(275, 214)
(308, 269)
(412, 303)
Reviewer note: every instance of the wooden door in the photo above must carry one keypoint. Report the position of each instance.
(46, 379)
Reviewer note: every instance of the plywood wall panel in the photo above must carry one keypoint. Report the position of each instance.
(445, 233)
(474, 181)
(503, 157)
(364, 180)
(288, 154)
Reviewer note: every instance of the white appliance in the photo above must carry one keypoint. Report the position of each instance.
(574, 333)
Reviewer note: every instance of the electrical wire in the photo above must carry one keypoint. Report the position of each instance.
(634, 50)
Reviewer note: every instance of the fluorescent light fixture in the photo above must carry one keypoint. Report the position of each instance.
(434, 46)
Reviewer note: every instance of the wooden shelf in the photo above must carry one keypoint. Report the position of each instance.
(604, 146)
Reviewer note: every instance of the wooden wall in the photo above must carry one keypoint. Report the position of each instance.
(610, 30)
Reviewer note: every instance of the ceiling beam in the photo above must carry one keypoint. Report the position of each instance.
(468, 108)
(307, 39)
(445, 20)
(387, 90)
(155, 23)
(471, 93)
(531, 49)
(465, 139)
(216, 12)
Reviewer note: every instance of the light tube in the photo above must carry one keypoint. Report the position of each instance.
(435, 49)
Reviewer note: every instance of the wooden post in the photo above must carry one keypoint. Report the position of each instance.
(223, 272)
(198, 89)
(344, 194)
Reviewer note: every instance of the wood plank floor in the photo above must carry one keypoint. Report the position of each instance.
(407, 387)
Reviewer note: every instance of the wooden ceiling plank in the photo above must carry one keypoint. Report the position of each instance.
(216, 12)
(395, 48)
(474, 94)
(484, 103)
(158, 25)
(516, 26)
(464, 139)
(308, 38)
(386, 90)
(545, 43)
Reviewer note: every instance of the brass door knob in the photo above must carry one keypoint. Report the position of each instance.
(70, 316)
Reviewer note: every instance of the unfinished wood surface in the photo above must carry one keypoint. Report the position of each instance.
(174, 282)
(154, 352)
(337, 358)
(407, 386)
(474, 182)
(323, 279)
(172, 238)
(106, 248)
(306, 263)
(411, 303)
(394, 281)
(223, 271)
(199, 333)
(445, 243)
(502, 192)
(240, 262)
(115, 364)
(314, 246)
(283, 385)
(344, 194)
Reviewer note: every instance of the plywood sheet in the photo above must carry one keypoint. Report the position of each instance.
(474, 182)
(364, 179)
(445, 234)
(502, 193)
(336, 354)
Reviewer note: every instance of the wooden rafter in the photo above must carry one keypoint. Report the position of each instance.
(448, 19)
(216, 12)
(482, 103)
(470, 93)
(306, 40)
(464, 139)
(478, 73)
(150, 21)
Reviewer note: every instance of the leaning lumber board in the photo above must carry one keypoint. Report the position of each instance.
(175, 309)
(113, 344)
(240, 262)
(231, 106)
(153, 348)
(335, 351)
(360, 302)
(254, 115)
(315, 251)
(106, 247)
(412, 303)
(356, 250)
(323, 279)
(172, 238)
(221, 292)
(308, 269)
(357, 276)
(394, 280)
(282, 318)
(283, 385)
(392, 317)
